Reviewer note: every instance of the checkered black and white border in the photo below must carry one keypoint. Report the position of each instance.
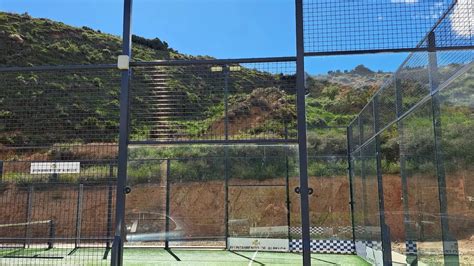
(370, 244)
(322, 230)
(312, 230)
(325, 246)
(412, 248)
(374, 244)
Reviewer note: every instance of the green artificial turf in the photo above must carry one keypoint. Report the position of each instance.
(159, 256)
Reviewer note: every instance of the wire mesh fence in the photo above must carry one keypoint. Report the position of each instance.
(368, 26)
(59, 128)
(213, 101)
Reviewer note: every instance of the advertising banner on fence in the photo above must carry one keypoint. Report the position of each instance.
(263, 244)
(55, 168)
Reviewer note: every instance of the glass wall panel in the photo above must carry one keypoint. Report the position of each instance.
(366, 208)
(457, 143)
(327, 169)
(422, 182)
(394, 189)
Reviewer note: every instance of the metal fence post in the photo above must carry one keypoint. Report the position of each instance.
(287, 181)
(77, 241)
(29, 213)
(226, 196)
(351, 179)
(167, 203)
(386, 244)
(363, 175)
(226, 154)
(117, 249)
(409, 233)
(450, 245)
(302, 141)
(109, 205)
(52, 234)
(1, 171)
(226, 102)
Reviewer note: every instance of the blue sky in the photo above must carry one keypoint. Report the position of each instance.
(220, 28)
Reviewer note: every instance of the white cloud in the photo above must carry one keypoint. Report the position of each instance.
(462, 19)
(405, 1)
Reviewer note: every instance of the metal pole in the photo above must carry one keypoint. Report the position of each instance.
(29, 211)
(226, 154)
(226, 197)
(77, 241)
(450, 244)
(302, 143)
(288, 202)
(117, 249)
(226, 102)
(351, 180)
(109, 205)
(409, 232)
(363, 175)
(1, 171)
(386, 244)
(52, 234)
(167, 203)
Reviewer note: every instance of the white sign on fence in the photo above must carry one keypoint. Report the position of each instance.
(263, 244)
(55, 168)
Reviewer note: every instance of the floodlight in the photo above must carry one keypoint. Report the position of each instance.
(235, 68)
(216, 69)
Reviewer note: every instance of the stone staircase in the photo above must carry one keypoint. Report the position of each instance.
(165, 106)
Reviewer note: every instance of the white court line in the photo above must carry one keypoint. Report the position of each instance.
(253, 258)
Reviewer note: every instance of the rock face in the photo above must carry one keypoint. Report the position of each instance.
(16, 38)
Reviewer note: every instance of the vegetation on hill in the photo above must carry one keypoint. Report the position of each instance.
(257, 107)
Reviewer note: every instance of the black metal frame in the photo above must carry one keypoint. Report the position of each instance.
(124, 142)
(117, 248)
(301, 140)
(451, 253)
(386, 243)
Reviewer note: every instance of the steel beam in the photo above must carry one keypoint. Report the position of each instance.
(302, 142)
(287, 186)
(117, 249)
(386, 242)
(60, 68)
(167, 203)
(450, 244)
(217, 142)
(351, 180)
(409, 232)
(212, 61)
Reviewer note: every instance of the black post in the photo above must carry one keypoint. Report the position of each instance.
(351, 179)
(117, 249)
(109, 205)
(302, 142)
(288, 202)
(167, 203)
(1, 171)
(450, 244)
(386, 244)
(226, 70)
(109, 214)
(226, 154)
(28, 216)
(363, 174)
(52, 234)
(77, 241)
(409, 232)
